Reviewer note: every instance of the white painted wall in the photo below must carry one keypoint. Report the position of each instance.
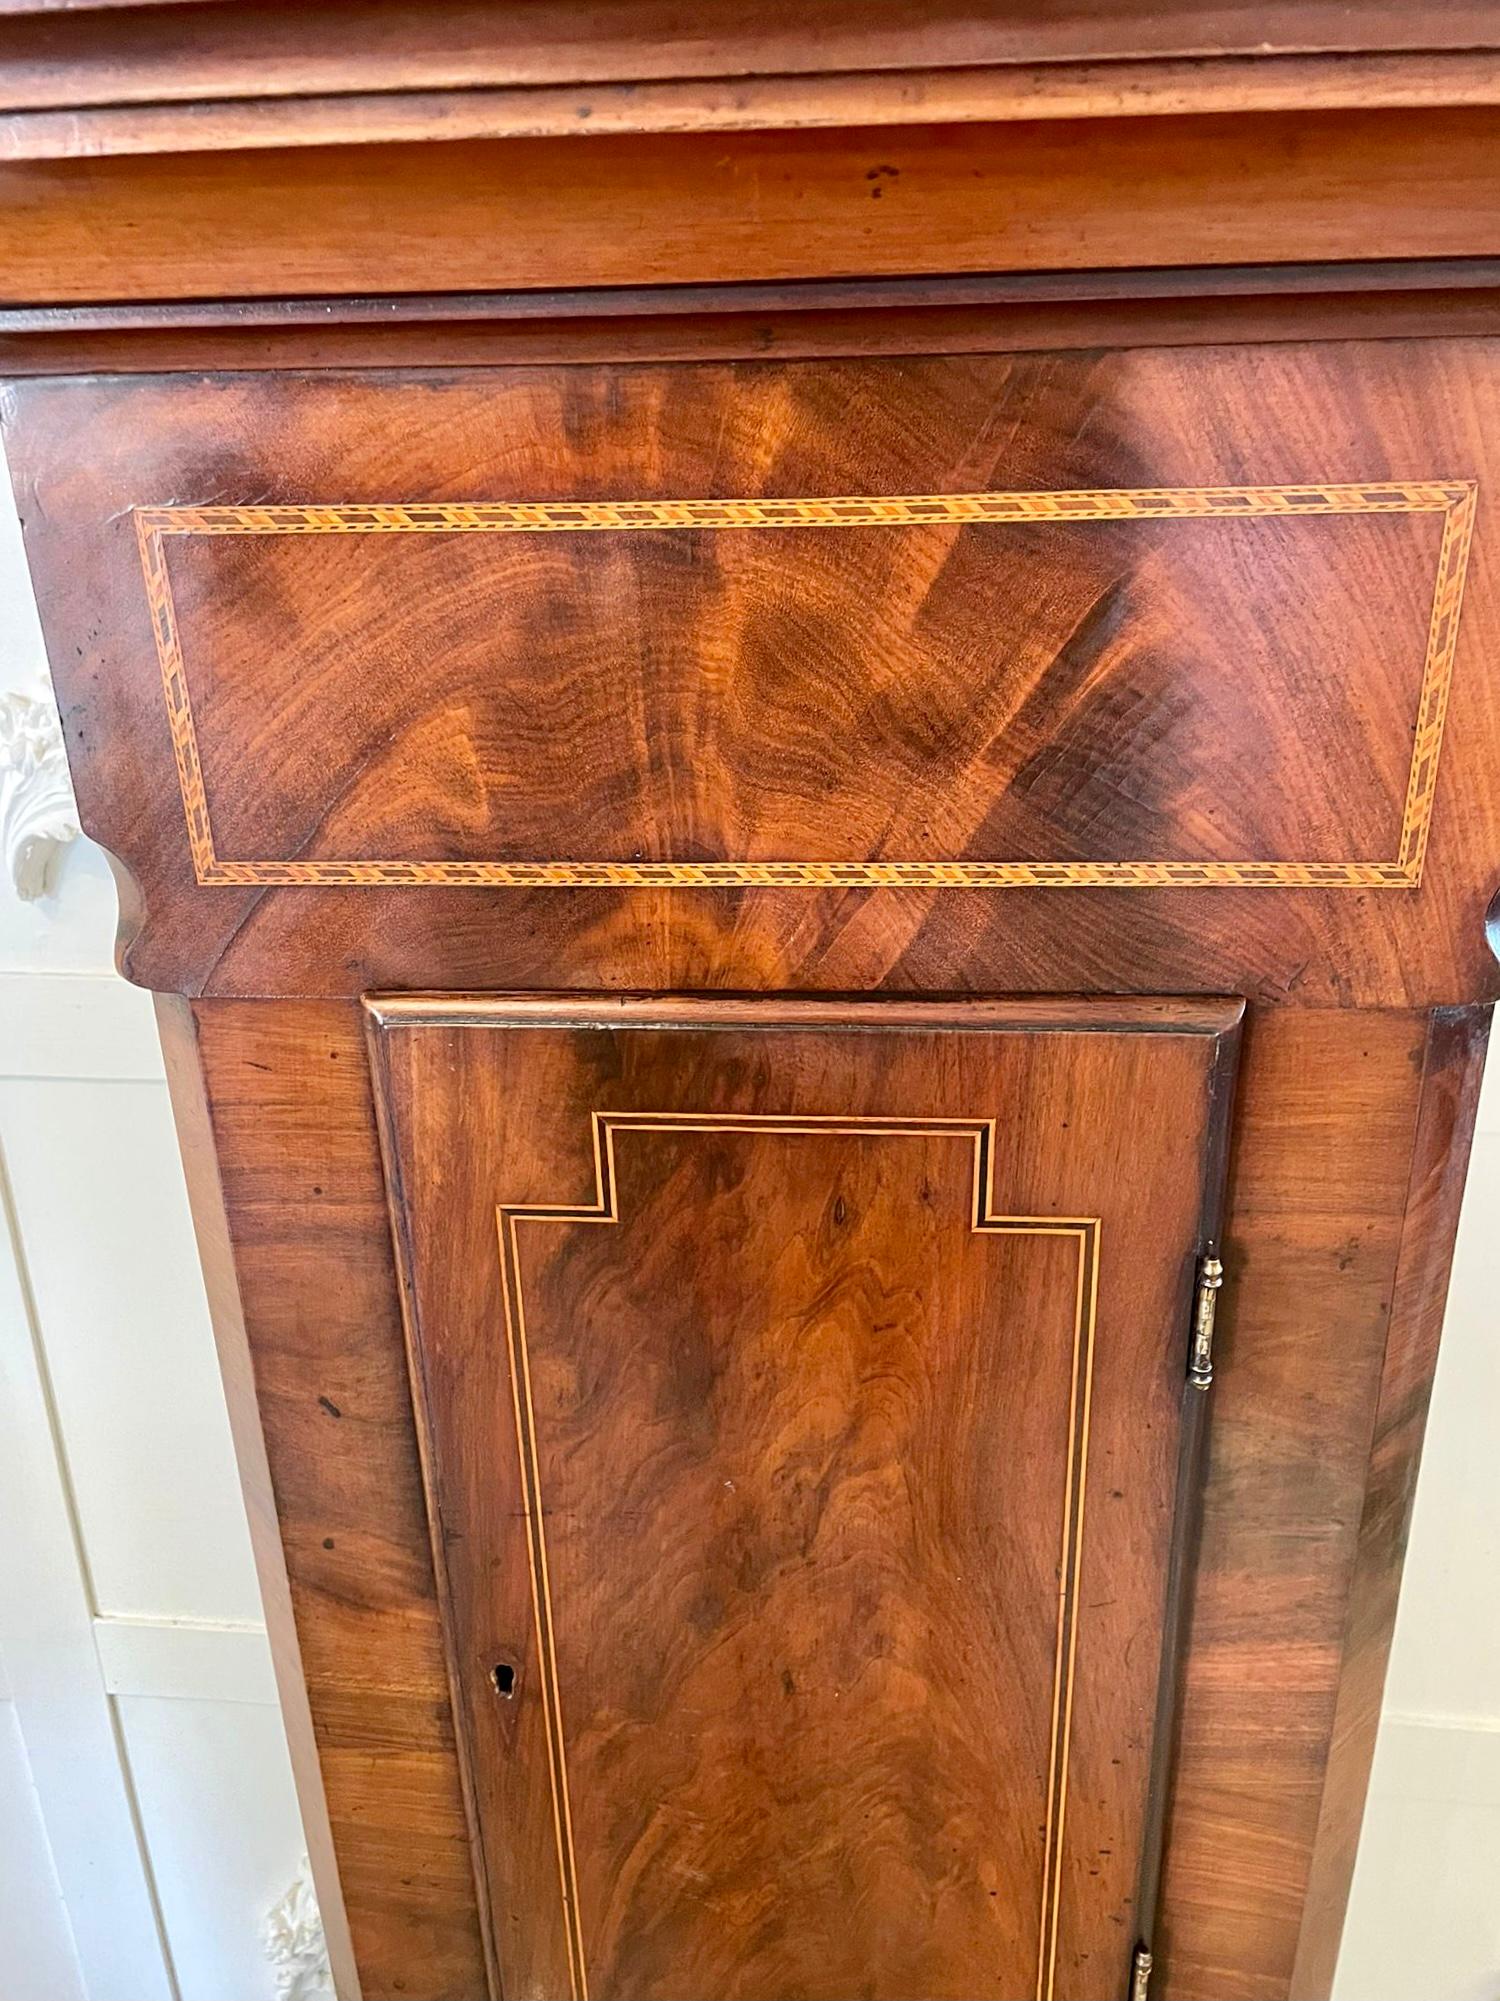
(147, 1818)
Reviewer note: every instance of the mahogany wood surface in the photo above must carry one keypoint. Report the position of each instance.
(782, 1429)
(1453, 1062)
(1014, 313)
(952, 653)
(1318, 1339)
(186, 1081)
(1330, 1104)
(750, 256)
(288, 1093)
(137, 52)
(1168, 87)
(689, 208)
(1276, 732)
(1425, 278)
(85, 81)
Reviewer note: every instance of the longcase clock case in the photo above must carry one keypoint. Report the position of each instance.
(792, 1459)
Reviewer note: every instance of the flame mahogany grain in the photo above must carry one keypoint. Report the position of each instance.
(279, 263)
(1155, 690)
(1287, 1613)
(789, 1419)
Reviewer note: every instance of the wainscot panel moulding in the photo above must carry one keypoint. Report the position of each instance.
(783, 1392)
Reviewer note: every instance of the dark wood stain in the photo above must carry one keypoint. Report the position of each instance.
(782, 1430)
(888, 694)
(799, 1425)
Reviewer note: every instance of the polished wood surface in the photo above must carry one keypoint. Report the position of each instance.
(299, 1181)
(140, 52)
(1014, 313)
(1317, 1332)
(599, 253)
(728, 631)
(82, 82)
(1452, 1064)
(1049, 707)
(689, 208)
(873, 99)
(790, 1628)
(1330, 1104)
(196, 1134)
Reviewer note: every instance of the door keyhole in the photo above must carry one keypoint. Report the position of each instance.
(503, 1675)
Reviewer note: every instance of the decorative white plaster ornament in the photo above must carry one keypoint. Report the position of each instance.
(38, 817)
(292, 1933)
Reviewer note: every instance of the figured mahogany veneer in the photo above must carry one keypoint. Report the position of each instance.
(1338, 1110)
(843, 1457)
(705, 667)
(916, 509)
(1201, 623)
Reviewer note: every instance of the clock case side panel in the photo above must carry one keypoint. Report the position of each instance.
(277, 1132)
(1345, 1179)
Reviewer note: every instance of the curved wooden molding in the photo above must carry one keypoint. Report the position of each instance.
(977, 94)
(38, 816)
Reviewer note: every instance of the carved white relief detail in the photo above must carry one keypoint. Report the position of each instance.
(38, 817)
(292, 1932)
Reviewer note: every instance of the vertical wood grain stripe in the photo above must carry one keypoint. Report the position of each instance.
(1454, 499)
(1084, 1230)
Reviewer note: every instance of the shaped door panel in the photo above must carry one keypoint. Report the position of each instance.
(801, 1388)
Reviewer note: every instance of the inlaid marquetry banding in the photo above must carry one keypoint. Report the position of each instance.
(1083, 1230)
(1453, 499)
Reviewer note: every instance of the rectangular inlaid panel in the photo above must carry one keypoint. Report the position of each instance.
(782, 670)
(993, 689)
(802, 1406)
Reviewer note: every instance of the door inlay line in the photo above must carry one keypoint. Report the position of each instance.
(979, 1135)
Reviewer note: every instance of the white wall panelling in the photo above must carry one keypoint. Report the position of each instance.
(40, 1961)
(99, 1200)
(186, 1659)
(1424, 1919)
(1446, 1661)
(75, 1024)
(145, 1702)
(223, 1844)
(1424, 1916)
(65, 1717)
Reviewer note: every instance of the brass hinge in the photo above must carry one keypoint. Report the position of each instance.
(1140, 1973)
(1205, 1308)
